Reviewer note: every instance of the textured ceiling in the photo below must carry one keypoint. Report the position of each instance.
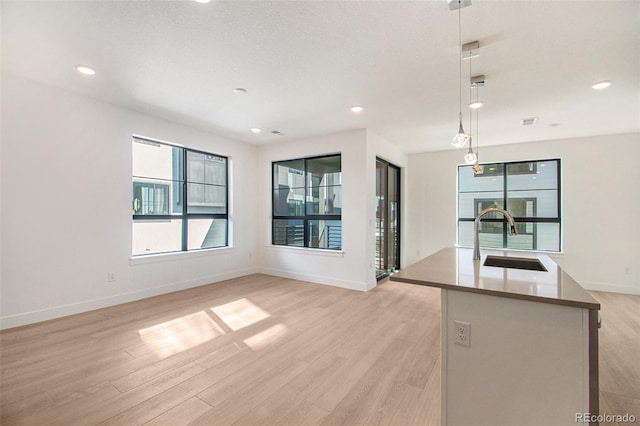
(304, 63)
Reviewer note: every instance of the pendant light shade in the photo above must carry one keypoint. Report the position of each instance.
(461, 138)
(470, 157)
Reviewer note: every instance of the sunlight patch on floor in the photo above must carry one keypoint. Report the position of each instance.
(180, 334)
(240, 313)
(266, 337)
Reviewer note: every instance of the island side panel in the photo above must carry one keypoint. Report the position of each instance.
(594, 371)
(444, 338)
(526, 365)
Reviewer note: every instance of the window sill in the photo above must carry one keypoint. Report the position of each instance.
(547, 252)
(168, 257)
(307, 251)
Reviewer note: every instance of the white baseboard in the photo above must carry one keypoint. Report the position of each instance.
(611, 288)
(318, 279)
(90, 305)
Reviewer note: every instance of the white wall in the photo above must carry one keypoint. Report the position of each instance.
(349, 268)
(354, 267)
(66, 216)
(600, 195)
(66, 206)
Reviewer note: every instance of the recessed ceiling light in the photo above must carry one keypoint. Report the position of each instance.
(601, 84)
(476, 104)
(256, 130)
(240, 90)
(85, 70)
(356, 108)
(202, 1)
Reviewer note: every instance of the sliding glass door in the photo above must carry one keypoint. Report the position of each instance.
(387, 218)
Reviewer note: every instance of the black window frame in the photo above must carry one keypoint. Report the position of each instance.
(502, 167)
(185, 215)
(383, 243)
(306, 218)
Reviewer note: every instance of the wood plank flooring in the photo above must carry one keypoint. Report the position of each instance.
(261, 350)
(619, 352)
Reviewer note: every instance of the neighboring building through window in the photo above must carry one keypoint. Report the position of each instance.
(179, 198)
(529, 190)
(307, 202)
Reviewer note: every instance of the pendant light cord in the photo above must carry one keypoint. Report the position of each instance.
(470, 96)
(477, 137)
(460, 57)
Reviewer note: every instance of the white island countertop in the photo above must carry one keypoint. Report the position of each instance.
(454, 269)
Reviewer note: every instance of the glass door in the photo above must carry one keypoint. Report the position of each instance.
(387, 218)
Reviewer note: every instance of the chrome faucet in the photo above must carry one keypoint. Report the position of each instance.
(476, 228)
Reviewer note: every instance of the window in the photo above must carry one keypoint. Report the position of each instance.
(387, 218)
(529, 190)
(307, 202)
(179, 198)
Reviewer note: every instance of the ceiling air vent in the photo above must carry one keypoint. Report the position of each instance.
(277, 132)
(529, 121)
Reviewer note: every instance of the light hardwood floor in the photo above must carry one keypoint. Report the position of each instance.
(261, 350)
(619, 354)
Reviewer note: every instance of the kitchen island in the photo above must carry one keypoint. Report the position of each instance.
(517, 346)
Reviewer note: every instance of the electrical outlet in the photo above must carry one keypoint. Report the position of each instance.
(111, 277)
(462, 333)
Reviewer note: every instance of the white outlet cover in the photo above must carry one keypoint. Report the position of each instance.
(462, 333)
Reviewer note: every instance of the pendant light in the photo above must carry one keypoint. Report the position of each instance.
(470, 157)
(477, 168)
(461, 138)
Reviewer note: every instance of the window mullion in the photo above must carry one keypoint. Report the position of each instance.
(559, 210)
(305, 221)
(185, 225)
(505, 242)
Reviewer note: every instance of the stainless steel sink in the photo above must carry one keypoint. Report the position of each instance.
(515, 262)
